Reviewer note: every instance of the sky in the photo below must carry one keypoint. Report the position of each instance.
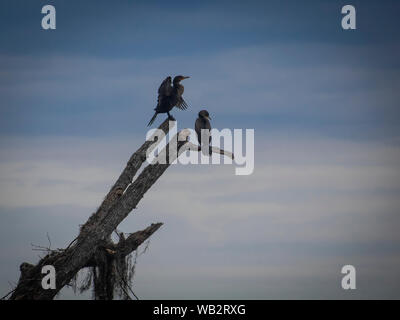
(323, 101)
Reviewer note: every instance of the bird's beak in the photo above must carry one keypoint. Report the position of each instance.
(208, 118)
(185, 77)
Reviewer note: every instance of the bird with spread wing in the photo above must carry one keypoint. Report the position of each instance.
(170, 96)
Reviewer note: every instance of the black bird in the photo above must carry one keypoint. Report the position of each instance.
(203, 122)
(169, 97)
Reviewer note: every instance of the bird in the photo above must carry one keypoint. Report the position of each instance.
(169, 97)
(203, 123)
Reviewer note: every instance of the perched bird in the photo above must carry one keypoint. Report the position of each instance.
(203, 123)
(169, 97)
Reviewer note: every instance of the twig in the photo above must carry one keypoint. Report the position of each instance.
(4, 297)
(192, 147)
(70, 244)
(48, 238)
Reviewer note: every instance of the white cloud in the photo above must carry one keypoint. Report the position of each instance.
(285, 189)
(313, 205)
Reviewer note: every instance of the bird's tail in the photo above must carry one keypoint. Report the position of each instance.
(152, 119)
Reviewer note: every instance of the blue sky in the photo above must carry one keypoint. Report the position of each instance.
(105, 62)
(323, 102)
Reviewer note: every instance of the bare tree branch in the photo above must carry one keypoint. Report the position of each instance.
(130, 244)
(126, 246)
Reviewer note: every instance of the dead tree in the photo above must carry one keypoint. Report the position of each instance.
(93, 246)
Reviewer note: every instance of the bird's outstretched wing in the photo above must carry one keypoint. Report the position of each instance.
(164, 91)
(181, 104)
(165, 88)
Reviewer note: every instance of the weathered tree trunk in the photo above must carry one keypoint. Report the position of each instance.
(94, 239)
(119, 202)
